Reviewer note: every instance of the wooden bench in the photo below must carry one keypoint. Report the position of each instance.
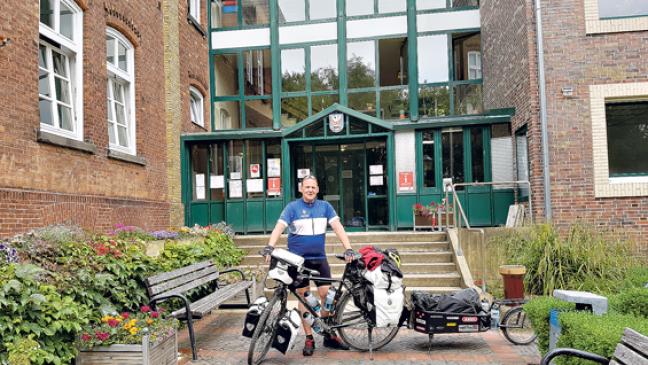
(632, 350)
(177, 283)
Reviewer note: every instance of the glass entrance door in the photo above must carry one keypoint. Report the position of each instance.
(356, 190)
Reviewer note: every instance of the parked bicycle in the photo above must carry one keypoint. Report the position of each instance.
(353, 323)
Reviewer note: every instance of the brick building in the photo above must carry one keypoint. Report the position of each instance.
(92, 94)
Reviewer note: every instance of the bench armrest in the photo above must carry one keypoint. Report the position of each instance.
(187, 303)
(546, 360)
(234, 270)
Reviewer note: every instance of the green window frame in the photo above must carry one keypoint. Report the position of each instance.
(376, 8)
(316, 99)
(243, 95)
(237, 8)
(310, 9)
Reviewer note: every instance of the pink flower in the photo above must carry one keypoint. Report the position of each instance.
(155, 314)
(85, 337)
(125, 315)
(145, 309)
(113, 322)
(102, 336)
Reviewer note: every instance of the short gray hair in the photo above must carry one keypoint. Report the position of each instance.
(310, 177)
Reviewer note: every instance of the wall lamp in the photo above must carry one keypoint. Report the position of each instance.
(4, 41)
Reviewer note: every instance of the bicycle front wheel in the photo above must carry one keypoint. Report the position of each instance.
(355, 328)
(517, 328)
(266, 328)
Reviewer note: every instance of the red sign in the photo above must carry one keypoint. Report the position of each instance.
(254, 170)
(406, 181)
(274, 186)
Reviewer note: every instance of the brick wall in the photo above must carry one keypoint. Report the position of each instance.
(42, 183)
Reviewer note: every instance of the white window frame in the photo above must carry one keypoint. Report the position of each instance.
(127, 79)
(474, 67)
(54, 41)
(594, 25)
(194, 10)
(196, 107)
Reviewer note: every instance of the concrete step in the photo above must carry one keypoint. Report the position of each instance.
(402, 247)
(375, 238)
(408, 291)
(407, 257)
(438, 280)
(408, 269)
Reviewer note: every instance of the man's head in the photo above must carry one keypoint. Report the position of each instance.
(309, 188)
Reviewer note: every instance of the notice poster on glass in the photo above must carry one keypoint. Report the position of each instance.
(200, 192)
(254, 185)
(375, 170)
(274, 167)
(406, 181)
(235, 175)
(235, 189)
(302, 173)
(376, 180)
(200, 180)
(274, 186)
(216, 181)
(255, 170)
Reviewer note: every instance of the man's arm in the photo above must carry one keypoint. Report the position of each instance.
(341, 233)
(274, 237)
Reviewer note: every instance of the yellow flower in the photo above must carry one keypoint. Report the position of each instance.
(134, 330)
(105, 319)
(149, 321)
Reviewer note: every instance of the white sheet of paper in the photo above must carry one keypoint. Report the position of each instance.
(274, 167)
(200, 180)
(235, 189)
(235, 175)
(376, 180)
(217, 182)
(254, 185)
(200, 192)
(301, 173)
(375, 170)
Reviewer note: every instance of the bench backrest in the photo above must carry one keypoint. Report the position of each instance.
(181, 280)
(632, 350)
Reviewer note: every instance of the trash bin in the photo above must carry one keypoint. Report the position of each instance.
(513, 280)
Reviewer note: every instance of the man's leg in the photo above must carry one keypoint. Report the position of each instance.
(331, 340)
(309, 344)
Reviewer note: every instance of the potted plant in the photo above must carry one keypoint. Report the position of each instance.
(143, 338)
(425, 215)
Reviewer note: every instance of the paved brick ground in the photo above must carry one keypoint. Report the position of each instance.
(219, 342)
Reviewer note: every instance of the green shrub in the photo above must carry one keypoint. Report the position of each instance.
(631, 301)
(32, 310)
(538, 310)
(582, 260)
(597, 334)
(216, 246)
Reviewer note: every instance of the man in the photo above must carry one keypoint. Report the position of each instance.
(306, 219)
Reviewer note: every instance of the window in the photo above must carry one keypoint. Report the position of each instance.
(194, 10)
(452, 154)
(121, 92)
(429, 160)
(474, 65)
(522, 160)
(627, 138)
(234, 13)
(369, 7)
(60, 68)
(196, 106)
(620, 9)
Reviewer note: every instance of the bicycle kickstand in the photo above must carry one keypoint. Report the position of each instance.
(430, 337)
(370, 343)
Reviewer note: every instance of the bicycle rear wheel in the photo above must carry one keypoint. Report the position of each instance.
(516, 327)
(266, 328)
(355, 332)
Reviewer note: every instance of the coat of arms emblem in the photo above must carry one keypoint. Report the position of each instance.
(336, 122)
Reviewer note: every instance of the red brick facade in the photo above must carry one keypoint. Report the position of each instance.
(573, 58)
(42, 183)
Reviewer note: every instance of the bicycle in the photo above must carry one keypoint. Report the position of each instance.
(515, 324)
(353, 322)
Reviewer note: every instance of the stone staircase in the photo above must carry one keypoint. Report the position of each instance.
(427, 260)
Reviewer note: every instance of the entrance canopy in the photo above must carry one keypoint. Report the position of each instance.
(337, 121)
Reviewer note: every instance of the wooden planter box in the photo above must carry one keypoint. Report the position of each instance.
(421, 222)
(162, 352)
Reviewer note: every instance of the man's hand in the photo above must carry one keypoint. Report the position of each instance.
(348, 255)
(266, 253)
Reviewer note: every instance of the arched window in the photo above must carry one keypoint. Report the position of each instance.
(196, 106)
(121, 92)
(60, 81)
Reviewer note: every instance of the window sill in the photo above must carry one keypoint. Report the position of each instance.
(191, 20)
(56, 140)
(199, 125)
(628, 179)
(126, 157)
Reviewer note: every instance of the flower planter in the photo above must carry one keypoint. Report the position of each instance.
(422, 222)
(164, 351)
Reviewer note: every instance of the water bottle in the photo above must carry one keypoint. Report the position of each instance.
(330, 296)
(313, 322)
(495, 316)
(312, 301)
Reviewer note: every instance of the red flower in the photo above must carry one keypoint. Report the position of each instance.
(155, 314)
(102, 336)
(85, 337)
(113, 322)
(125, 315)
(145, 309)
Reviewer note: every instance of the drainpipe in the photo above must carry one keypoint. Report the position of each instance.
(543, 112)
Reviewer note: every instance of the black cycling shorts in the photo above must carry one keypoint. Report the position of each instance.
(320, 265)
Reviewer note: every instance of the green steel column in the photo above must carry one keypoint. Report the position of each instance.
(342, 64)
(412, 65)
(275, 56)
(391, 182)
(285, 171)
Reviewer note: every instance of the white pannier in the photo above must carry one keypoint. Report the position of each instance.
(388, 297)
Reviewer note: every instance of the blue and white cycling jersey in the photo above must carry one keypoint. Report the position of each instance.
(306, 224)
